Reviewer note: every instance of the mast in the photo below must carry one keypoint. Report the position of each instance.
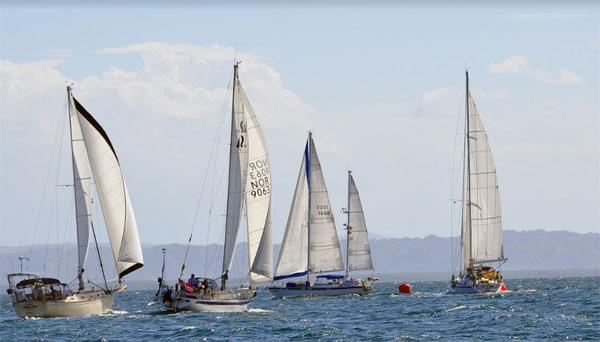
(348, 228)
(468, 187)
(309, 147)
(235, 75)
(69, 103)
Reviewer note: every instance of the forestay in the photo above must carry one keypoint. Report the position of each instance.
(359, 250)
(484, 222)
(113, 195)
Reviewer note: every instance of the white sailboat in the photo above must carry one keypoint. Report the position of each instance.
(250, 185)
(481, 232)
(93, 156)
(311, 244)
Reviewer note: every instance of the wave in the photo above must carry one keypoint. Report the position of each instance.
(258, 310)
(187, 328)
(456, 308)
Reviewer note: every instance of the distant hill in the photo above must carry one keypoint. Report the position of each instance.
(527, 251)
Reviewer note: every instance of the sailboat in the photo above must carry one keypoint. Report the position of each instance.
(93, 156)
(249, 185)
(481, 231)
(311, 245)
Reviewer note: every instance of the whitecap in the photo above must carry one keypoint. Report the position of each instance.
(257, 310)
(117, 312)
(187, 328)
(456, 308)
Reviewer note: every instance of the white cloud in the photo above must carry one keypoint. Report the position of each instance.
(161, 117)
(564, 76)
(19, 81)
(511, 65)
(520, 64)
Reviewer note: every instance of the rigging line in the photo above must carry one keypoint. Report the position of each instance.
(64, 243)
(452, 188)
(217, 134)
(99, 258)
(60, 123)
(216, 252)
(55, 195)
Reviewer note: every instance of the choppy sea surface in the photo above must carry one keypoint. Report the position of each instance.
(534, 309)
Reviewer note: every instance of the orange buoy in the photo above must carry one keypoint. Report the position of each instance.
(404, 288)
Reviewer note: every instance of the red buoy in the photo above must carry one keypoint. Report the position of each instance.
(503, 288)
(404, 288)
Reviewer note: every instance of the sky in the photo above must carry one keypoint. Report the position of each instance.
(381, 87)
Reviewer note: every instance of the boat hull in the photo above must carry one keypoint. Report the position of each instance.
(319, 291)
(224, 301)
(78, 304)
(199, 305)
(482, 288)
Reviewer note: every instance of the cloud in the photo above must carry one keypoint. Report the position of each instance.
(162, 116)
(511, 65)
(520, 64)
(19, 81)
(564, 76)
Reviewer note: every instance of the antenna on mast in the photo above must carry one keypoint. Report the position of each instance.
(21, 260)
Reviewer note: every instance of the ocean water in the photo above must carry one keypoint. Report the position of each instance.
(534, 309)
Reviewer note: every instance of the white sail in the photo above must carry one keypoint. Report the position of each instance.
(483, 212)
(359, 250)
(293, 255)
(113, 195)
(325, 252)
(257, 195)
(82, 183)
(238, 163)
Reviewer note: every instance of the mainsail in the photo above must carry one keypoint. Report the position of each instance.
(238, 165)
(82, 183)
(482, 224)
(324, 246)
(249, 183)
(112, 192)
(359, 250)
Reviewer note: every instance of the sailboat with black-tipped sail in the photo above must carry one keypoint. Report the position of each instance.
(311, 245)
(94, 158)
(481, 225)
(249, 186)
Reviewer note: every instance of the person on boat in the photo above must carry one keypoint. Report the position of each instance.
(224, 278)
(205, 286)
(53, 293)
(37, 292)
(193, 281)
(67, 291)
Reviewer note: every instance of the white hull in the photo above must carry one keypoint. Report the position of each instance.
(222, 302)
(320, 291)
(208, 305)
(77, 304)
(481, 288)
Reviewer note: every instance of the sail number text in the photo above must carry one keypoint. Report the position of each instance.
(258, 173)
(323, 209)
